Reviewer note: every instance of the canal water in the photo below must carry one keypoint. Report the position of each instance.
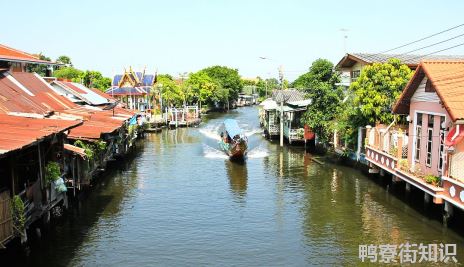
(180, 202)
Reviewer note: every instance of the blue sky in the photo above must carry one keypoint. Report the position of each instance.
(184, 36)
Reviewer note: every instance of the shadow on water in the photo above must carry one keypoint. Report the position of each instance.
(65, 234)
(238, 178)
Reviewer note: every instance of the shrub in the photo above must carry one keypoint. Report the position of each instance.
(52, 172)
(19, 217)
(403, 164)
(432, 179)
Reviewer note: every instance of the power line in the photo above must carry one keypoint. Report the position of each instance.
(421, 39)
(452, 38)
(422, 56)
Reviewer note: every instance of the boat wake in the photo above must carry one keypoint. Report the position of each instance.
(213, 132)
(258, 152)
(213, 153)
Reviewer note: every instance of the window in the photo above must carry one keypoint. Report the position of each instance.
(355, 74)
(430, 123)
(442, 144)
(428, 161)
(418, 136)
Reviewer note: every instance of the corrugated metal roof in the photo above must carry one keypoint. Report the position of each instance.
(13, 98)
(288, 95)
(18, 132)
(82, 92)
(411, 60)
(74, 149)
(11, 54)
(43, 92)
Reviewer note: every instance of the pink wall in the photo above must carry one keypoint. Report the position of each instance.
(425, 107)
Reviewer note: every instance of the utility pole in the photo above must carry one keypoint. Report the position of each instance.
(281, 77)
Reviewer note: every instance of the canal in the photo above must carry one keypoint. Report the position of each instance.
(180, 202)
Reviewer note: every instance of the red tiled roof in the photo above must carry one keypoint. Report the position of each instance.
(18, 132)
(447, 78)
(11, 54)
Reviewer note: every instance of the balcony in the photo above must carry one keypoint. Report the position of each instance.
(386, 147)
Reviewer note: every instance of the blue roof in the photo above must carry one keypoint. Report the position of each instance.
(232, 127)
(148, 80)
(128, 90)
(116, 80)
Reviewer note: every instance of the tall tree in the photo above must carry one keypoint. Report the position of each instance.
(378, 87)
(170, 91)
(64, 60)
(68, 73)
(319, 83)
(203, 86)
(228, 78)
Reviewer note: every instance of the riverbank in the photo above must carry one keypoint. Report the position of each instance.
(179, 201)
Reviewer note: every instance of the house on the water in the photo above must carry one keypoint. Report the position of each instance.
(133, 89)
(428, 151)
(287, 106)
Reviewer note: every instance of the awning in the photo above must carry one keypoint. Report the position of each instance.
(76, 150)
(232, 127)
(455, 135)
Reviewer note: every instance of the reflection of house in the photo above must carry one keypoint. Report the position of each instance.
(293, 108)
(16, 61)
(351, 64)
(430, 146)
(133, 89)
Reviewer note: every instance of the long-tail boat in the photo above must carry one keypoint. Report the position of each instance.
(233, 142)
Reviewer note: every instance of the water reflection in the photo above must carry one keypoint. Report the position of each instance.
(238, 178)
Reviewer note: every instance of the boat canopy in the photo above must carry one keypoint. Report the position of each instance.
(232, 128)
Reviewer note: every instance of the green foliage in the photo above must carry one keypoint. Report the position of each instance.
(64, 60)
(229, 80)
(52, 172)
(68, 73)
(319, 85)
(404, 165)
(39, 69)
(432, 179)
(204, 88)
(170, 91)
(268, 85)
(88, 148)
(378, 87)
(19, 216)
(94, 79)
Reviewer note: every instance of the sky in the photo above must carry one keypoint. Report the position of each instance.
(178, 36)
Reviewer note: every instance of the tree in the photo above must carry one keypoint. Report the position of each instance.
(319, 83)
(378, 87)
(228, 78)
(94, 79)
(64, 60)
(39, 68)
(170, 91)
(203, 87)
(68, 73)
